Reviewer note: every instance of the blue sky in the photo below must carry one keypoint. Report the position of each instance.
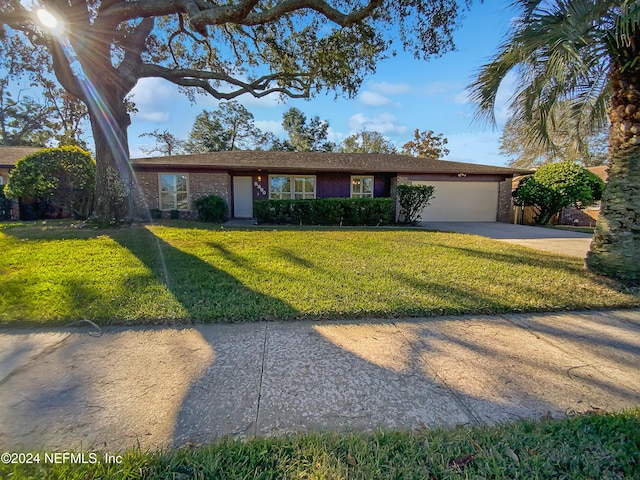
(403, 95)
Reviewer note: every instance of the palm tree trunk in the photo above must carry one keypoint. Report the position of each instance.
(615, 249)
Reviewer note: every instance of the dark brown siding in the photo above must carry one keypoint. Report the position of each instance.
(329, 185)
(333, 185)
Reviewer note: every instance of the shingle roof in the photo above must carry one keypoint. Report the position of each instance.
(321, 161)
(10, 155)
(602, 171)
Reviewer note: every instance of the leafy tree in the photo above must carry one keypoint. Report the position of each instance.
(412, 199)
(279, 145)
(584, 54)
(303, 136)
(240, 125)
(367, 142)
(99, 50)
(517, 142)
(67, 115)
(63, 178)
(23, 121)
(167, 143)
(427, 145)
(207, 134)
(558, 185)
(229, 127)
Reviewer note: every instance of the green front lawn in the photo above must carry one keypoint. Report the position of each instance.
(54, 273)
(585, 447)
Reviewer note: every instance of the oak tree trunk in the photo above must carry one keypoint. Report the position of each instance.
(615, 249)
(118, 198)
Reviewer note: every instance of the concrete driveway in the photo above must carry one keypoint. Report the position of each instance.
(548, 239)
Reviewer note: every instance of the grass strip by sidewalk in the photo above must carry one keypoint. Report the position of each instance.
(602, 446)
(54, 274)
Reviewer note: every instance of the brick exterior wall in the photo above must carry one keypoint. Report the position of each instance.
(148, 182)
(200, 184)
(582, 218)
(504, 201)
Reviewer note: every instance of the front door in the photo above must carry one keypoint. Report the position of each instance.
(242, 197)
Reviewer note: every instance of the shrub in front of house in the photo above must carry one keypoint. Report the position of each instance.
(412, 199)
(326, 211)
(5, 205)
(212, 209)
(54, 182)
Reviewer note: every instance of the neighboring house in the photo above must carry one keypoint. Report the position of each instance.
(9, 156)
(464, 191)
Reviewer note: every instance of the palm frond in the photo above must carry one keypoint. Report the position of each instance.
(627, 23)
(560, 50)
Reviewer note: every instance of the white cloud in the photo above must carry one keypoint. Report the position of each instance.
(462, 98)
(149, 90)
(272, 126)
(387, 88)
(334, 136)
(156, 117)
(154, 99)
(268, 101)
(437, 88)
(383, 123)
(373, 99)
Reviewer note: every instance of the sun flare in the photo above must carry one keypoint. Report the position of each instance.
(47, 18)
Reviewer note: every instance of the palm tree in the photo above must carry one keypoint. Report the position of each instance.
(584, 54)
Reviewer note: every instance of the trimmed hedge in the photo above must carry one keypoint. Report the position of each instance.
(326, 211)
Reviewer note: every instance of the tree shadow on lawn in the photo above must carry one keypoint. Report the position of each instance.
(204, 293)
(207, 293)
(454, 300)
(272, 252)
(529, 258)
(553, 262)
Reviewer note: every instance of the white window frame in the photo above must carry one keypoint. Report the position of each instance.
(361, 194)
(293, 194)
(1, 180)
(175, 193)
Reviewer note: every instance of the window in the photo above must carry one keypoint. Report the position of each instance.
(1, 180)
(173, 192)
(293, 187)
(361, 187)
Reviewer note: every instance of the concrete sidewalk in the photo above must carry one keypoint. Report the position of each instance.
(157, 386)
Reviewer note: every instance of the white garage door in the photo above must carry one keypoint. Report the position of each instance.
(462, 202)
